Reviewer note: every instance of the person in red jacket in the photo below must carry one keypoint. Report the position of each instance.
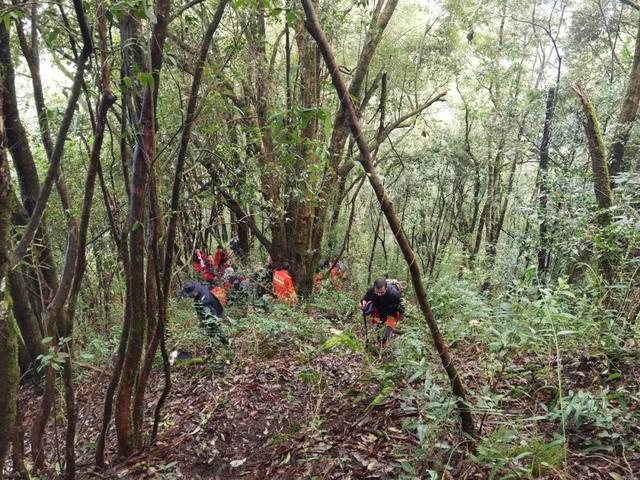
(283, 284)
(220, 260)
(204, 265)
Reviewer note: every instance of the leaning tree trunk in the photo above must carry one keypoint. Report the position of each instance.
(627, 114)
(387, 207)
(601, 179)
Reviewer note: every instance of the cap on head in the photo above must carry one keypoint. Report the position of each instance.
(189, 288)
(285, 266)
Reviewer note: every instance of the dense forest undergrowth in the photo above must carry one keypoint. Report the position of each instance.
(299, 395)
(483, 152)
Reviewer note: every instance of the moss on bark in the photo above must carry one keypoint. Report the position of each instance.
(9, 371)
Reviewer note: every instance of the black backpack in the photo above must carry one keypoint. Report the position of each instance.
(397, 284)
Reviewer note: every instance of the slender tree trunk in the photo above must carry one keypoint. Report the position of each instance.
(373, 249)
(543, 249)
(127, 429)
(387, 207)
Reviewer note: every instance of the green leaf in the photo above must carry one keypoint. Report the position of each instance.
(407, 467)
(128, 82)
(291, 16)
(146, 79)
(421, 431)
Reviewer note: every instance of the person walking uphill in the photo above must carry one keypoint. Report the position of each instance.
(208, 308)
(383, 301)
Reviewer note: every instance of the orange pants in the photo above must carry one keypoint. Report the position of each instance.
(391, 321)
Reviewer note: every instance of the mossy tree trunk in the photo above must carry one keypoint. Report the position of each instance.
(9, 370)
(601, 178)
(627, 114)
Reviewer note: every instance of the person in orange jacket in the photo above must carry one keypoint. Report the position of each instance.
(283, 284)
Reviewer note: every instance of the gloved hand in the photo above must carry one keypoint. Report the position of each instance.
(367, 307)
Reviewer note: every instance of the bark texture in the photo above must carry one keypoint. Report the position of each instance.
(9, 369)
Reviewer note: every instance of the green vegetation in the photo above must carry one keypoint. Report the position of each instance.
(483, 153)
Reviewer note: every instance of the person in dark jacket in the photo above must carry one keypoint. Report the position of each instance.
(208, 308)
(383, 301)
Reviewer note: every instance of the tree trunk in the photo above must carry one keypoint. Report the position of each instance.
(627, 114)
(23, 162)
(9, 369)
(316, 31)
(601, 179)
(25, 318)
(543, 249)
(143, 156)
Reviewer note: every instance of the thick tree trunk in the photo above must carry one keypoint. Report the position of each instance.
(387, 207)
(272, 187)
(17, 448)
(23, 162)
(300, 207)
(25, 318)
(9, 369)
(382, 14)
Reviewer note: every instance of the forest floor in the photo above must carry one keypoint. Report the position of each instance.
(298, 396)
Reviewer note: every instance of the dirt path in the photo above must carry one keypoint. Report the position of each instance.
(278, 418)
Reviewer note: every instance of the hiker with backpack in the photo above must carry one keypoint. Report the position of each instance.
(384, 304)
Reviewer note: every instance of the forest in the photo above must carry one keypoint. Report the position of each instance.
(324, 239)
